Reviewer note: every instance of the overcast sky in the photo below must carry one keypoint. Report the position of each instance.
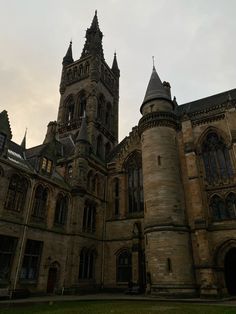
(193, 42)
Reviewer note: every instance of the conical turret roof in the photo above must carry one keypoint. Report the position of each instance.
(115, 69)
(68, 59)
(155, 89)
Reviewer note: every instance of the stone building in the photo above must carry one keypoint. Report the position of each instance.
(83, 212)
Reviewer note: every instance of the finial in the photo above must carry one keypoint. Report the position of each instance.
(153, 62)
(71, 41)
(96, 12)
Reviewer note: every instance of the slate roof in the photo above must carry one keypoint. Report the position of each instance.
(207, 102)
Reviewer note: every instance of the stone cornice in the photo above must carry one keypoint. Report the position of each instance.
(154, 119)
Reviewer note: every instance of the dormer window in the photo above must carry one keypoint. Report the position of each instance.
(46, 165)
(2, 141)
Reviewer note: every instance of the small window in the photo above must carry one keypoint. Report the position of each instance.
(46, 165)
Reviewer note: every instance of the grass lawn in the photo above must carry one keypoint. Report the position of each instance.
(117, 307)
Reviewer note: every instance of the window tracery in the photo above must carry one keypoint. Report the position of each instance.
(40, 202)
(16, 194)
(135, 183)
(216, 159)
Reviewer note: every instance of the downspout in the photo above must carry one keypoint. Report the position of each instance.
(22, 244)
(104, 234)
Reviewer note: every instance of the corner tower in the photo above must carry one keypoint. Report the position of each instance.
(168, 257)
(90, 85)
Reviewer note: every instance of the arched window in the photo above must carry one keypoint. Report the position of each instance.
(61, 210)
(81, 70)
(99, 149)
(107, 149)
(40, 202)
(124, 267)
(70, 109)
(16, 194)
(218, 208)
(100, 108)
(89, 218)
(231, 204)
(86, 264)
(108, 121)
(135, 183)
(82, 103)
(116, 196)
(87, 67)
(90, 181)
(216, 158)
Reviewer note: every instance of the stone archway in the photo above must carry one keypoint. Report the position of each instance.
(230, 271)
(225, 266)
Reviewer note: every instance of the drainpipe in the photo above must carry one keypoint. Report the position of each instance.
(104, 234)
(22, 244)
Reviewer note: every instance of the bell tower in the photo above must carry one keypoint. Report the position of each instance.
(90, 85)
(168, 257)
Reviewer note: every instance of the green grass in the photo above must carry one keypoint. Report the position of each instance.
(116, 307)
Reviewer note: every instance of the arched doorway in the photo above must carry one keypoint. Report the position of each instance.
(230, 271)
(52, 279)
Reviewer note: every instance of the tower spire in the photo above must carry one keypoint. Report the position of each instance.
(93, 43)
(115, 69)
(23, 143)
(68, 59)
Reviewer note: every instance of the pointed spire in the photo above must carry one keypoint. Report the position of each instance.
(83, 134)
(68, 59)
(93, 43)
(23, 143)
(95, 25)
(155, 89)
(115, 69)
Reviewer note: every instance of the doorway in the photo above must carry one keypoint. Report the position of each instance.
(52, 279)
(230, 271)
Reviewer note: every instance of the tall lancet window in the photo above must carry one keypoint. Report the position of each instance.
(216, 158)
(82, 103)
(70, 109)
(135, 183)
